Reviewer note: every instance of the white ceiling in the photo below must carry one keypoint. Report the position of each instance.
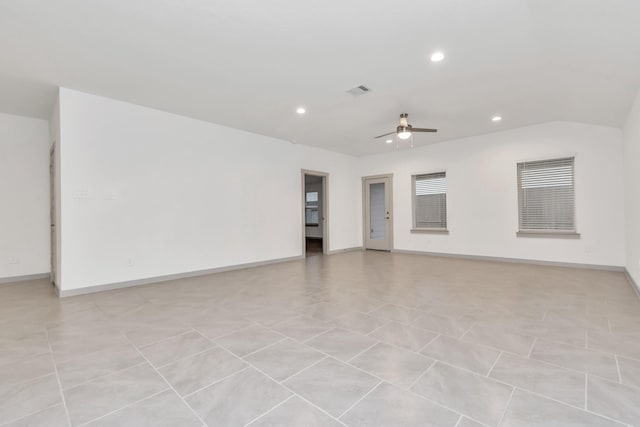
(249, 63)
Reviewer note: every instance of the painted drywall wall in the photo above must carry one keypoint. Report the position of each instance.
(631, 138)
(24, 196)
(147, 193)
(482, 193)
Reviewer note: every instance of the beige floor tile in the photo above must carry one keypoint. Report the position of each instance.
(175, 348)
(53, 416)
(473, 357)
(303, 328)
(390, 406)
(629, 371)
(396, 365)
(193, 373)
(28, 397)
(284, 359)
(238, 399)
(161, 410)
(396, 313)
(25, 369)
(478, 397)
(408, 337)
(502, 340)
(85, 367)
(617, 401)
(539, 377)
(249, 340)
(106, 394)
(359, 322)
(295, 412)
(332, 385)
(341, 344)
(580, 359)
(529, 410)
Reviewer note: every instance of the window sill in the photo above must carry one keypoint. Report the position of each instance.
(430, 230)
(547, 234)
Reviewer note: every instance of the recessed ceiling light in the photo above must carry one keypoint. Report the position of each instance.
(389, 141)
(496, 118)
(301, 110)
(437, 56)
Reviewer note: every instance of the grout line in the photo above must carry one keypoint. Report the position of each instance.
(270, 410)
(189, 356)
(284, 385)
(421, 375)
(459, 420)
(359, 400)
(544, 316)
(303, 369)
(105, 375)
(468, 330)
(124, 407)
(14, 420)
(618, 367)
(216, 381)
(55, 367)
(494, 364)
(167, 338)
(506, 408)
(363, 351)
(284, 338)
(427, 345)
(168, 383)
(533, 344)
(586, 390)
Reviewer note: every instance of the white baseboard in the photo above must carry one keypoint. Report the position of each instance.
(340, 251)
(146, 281)
(515, 260)
(632, 282)
(4, 280)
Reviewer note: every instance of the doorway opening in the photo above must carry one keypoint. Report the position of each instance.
(314, 213)
(377, 198)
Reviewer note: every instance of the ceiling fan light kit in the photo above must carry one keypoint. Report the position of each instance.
(405, 131)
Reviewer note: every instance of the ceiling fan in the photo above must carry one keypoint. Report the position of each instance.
(405, 130)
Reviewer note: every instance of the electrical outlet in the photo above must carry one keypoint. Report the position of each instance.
(14, 260)
(131, 261)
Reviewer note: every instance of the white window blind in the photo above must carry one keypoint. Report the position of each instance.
(546, 195)
(430, 201)
(311, 208)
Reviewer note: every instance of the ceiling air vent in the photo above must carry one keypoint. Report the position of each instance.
(358, 90)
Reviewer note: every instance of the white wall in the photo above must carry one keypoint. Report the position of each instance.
(482, 193)
(24, 196)
(631, 139)
(177, 195)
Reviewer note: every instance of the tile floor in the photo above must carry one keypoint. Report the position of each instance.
(356, 339)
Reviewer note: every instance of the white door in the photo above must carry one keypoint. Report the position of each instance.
(378, 216)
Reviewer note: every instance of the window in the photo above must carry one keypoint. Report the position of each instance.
(546, 196)
(311, 209)
(430, 201)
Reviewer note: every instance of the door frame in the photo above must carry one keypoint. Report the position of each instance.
(53, 215)
(364, 208)
(325, 209)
